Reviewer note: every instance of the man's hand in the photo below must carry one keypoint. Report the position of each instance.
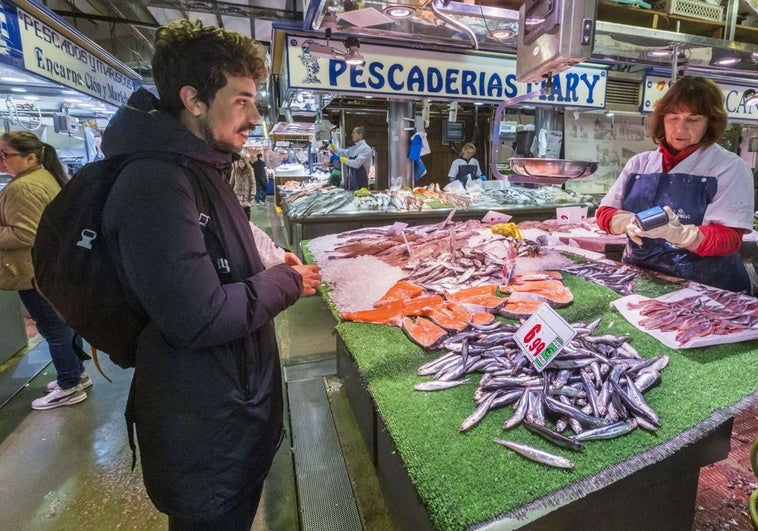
(291, 259)
(332, 146)
(674, 232)
(311, 278)
(343, 160)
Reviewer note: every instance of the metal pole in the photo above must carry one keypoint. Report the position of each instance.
(398, 131)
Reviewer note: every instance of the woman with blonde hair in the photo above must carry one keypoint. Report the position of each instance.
(465, 166)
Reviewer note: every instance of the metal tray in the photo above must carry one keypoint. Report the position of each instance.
(554, 169)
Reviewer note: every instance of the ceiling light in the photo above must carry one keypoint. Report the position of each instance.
(502, 34)
(13, 80)
(659, 53)
(353, 55)
(17, 89)
(751, 97)
(726, 61)
(329, 22)
(396, 11)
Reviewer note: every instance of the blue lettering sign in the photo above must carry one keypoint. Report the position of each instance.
(394, 85)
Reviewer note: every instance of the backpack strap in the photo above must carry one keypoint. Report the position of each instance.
(205, 199)
(203, 202)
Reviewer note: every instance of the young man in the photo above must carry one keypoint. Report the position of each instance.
(206, 396)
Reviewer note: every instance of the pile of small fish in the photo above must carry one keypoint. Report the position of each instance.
(619, 278)
(544, 195)
(317, 201)
(594, 386)
(714, 313)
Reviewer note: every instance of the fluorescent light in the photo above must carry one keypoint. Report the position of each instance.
(13, 79)
(659, 53)
(502, 34)
(396, 11)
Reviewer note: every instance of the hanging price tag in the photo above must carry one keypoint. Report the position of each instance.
(543, 336)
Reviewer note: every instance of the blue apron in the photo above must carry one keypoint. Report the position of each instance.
(467, 170)
(688, 196)
(357, 178)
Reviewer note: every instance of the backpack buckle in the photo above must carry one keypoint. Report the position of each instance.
(222, 264)
(204, 219)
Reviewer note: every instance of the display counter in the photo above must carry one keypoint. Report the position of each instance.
(303, 228)
(435, 477)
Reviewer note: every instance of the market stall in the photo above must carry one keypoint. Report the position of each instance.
(438, 475)
(330, 211)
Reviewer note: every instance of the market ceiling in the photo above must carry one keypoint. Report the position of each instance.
(439, 22)
(126, 29)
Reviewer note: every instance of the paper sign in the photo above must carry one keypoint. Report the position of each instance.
(396, 228)
(572, 214)
(543, 336)
(496, 217)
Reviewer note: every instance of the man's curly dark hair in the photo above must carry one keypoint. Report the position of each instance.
(188, 53)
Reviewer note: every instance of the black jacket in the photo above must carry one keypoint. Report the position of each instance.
(208, 391)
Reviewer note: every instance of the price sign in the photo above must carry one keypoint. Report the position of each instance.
(543, 336)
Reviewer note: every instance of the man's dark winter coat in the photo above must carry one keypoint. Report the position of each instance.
(208, 390)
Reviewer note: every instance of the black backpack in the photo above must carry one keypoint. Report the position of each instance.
(73, 266)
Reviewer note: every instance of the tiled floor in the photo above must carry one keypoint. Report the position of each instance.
(69, 469)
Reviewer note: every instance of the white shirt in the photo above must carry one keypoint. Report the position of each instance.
(733, 204)
(359, 154)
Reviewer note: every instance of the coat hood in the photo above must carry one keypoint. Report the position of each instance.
(139, 126)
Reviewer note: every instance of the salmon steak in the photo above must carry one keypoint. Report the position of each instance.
(421, 305)
(516, 308)
(389, 314)
(551, 291)
(400, 291)
(423, 332)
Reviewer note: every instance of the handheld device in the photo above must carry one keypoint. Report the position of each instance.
(651, 218)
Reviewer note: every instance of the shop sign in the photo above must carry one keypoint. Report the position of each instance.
(35, 41)
(734, 101)
(468, 76)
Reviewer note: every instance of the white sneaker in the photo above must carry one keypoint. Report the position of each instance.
(59, 397)
(84, 383)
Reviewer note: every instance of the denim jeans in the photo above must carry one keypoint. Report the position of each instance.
(260, 193)
(59, 336)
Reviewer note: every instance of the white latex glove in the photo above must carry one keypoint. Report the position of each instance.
(673, 231)
(619, 222)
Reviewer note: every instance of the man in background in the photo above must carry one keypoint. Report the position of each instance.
(356, 159)
(261, 179)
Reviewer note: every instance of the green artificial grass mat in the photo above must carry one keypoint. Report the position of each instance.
(465, 478)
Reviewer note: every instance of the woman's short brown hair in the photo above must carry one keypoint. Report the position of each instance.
(697, 95)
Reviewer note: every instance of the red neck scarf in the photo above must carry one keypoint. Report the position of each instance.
(671, 159)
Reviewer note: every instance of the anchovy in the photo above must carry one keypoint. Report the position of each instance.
(535, 454)
(478, 414)
(610, 431)
(439, 385)
(633, 406)
(570, 443)
(560, 408)
(519, 410)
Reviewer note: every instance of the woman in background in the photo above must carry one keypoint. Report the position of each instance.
(242, 179)
(37, 178)
(706, 191)
(465, 166)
